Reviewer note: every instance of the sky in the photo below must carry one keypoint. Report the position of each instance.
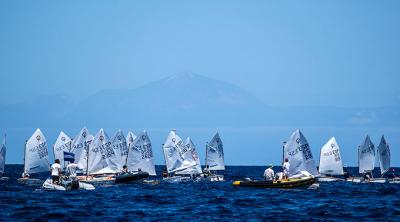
(339, 53)
(286, 53)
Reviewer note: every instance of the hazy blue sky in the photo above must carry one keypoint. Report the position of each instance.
(341, 53)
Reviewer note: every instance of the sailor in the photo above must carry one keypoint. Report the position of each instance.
(391, 175)
(346, 173)
(71, 169)
(286, 167)
(165, 173)
(124, 169)
(25, 175)
(269, 173)
(56, 171)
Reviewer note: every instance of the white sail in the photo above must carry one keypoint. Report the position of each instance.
(130, 137)
(366, 156)
(215, 154)
(330, 161)
(140, 155)
(384, 155)
(119, 145)
(80, 147)
(63, 143)
(175, 154)
(3, 156)
(298, 152)
(195, 156)
(102, 155)
(36, 154)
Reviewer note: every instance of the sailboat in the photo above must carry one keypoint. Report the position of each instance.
(366, 162)
(3, 158)
(194, 156)
(214, 159)
(140, 154)
(102, 158)
(119, 145)
(298, 152)
(301, 171)
(330, 162)
(35, 158)
(80, 148)
(139, 160)
(177, 158)
(63, 144)
(384, 156)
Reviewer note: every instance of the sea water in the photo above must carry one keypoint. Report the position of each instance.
(200, 201)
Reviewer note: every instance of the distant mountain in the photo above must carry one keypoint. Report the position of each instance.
(184, 100)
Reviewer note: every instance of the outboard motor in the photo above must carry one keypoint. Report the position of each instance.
(74, 185)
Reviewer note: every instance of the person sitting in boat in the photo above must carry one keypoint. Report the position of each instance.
(286, 167)
(124, 169)
(25, 175)
(165, 173)
(346, 174)
(391, 174)
(71, 169)
(269, 174)
(279, 176)
(367, 176)
(56, 171)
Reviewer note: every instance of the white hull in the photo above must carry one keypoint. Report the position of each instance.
(373, 180)
(177, 179)
(48, 185)
(30, 181)
(329, 179)
(97, 180)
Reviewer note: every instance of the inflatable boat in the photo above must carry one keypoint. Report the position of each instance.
(66, 185)
(131, 177)
(289, 183)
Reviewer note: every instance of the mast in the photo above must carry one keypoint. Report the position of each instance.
(26, 141)
(87, 158)
(165, 159)
(126, 159)
(206, 163)
(283, 152)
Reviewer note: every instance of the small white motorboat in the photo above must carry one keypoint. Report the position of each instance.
(66, 184)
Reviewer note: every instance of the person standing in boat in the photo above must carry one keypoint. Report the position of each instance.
(71, 169)
(269, 174)
(56, 171)
(286, 167)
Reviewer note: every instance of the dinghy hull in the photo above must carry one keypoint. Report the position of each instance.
(131, 177)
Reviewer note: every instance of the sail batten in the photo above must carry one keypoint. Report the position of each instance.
(298, 152)
(384, 155)
(215, 154)
(140, 154)
(36, 154)
(330, 159)
(366, 156)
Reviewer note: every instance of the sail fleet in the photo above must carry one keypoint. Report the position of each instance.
(101, 157)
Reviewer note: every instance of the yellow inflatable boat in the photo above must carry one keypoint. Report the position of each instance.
(289, 183)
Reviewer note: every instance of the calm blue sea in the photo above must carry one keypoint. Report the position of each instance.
(200, 201)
